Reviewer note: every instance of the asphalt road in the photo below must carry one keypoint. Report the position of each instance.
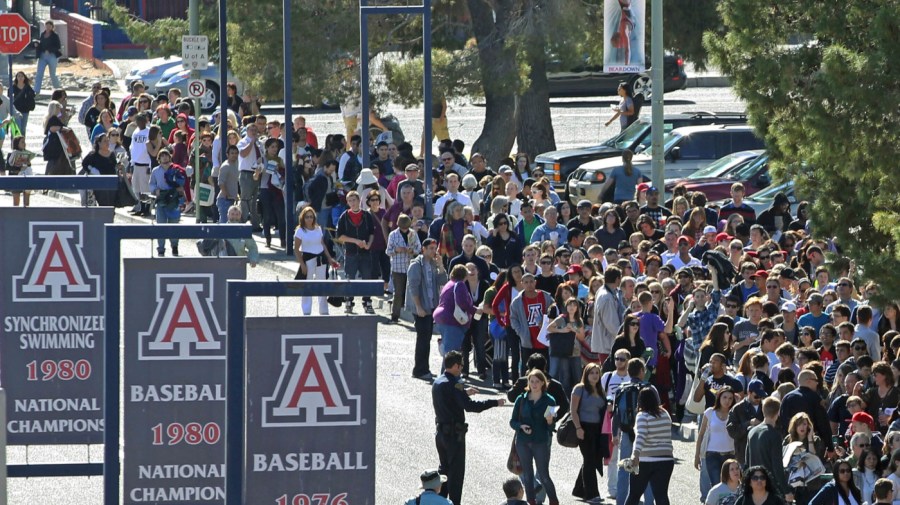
(405, 444)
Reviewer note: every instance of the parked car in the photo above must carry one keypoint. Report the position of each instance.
(151, 71)
(686, 150)
(591, 80)
(177, 77)
(560, 165)
(754, 175)
(715, 171)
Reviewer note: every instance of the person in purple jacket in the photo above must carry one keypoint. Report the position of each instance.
(454, 294)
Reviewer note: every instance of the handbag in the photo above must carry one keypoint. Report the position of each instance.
(205, 194)
(461, 316)
(692, 406)
(513, 463)
(567, 435)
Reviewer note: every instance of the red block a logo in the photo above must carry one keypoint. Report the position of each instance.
(184, 325)
(311, 389)
(56, 269)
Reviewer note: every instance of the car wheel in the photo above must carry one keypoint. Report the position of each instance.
(641, 86)
(210, 100)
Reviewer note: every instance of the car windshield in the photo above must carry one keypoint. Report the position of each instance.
(669, 141)
(721, 166)
(768, 194)
(629, 135)
(749, 170)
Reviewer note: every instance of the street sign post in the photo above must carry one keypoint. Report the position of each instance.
(196, 88)
(195, 52)
(15, 36)
(15, 33)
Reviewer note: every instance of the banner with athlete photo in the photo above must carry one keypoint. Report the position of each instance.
(624, 22)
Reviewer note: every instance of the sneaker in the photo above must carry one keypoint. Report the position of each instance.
(348, 308)
(160, 252)
(395, 319)
(174, 250)
(369, 308)
(425, 376)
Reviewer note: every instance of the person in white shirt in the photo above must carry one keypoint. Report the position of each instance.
(140, 158)
(451, 195)
(250, 160)
(683, 258)
(611, 382)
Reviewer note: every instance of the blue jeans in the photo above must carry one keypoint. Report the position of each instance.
(223, 206)
(323, 218)
(46, 59)
(566, 370)
(162, 217)
(22, 121)
(712, 466)
(360, 263)
(452, 336)
(623, 477)
(537, 453)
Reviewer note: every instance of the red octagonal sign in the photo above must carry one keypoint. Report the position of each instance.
(15, 34)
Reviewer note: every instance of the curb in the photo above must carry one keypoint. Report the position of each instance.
(112, 67)
(709, 81)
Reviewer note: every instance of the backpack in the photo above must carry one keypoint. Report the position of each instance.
(351, 170)
(625, 405)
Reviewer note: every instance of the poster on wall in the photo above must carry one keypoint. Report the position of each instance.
(624, 22)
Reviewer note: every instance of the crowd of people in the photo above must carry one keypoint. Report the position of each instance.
(623, 317)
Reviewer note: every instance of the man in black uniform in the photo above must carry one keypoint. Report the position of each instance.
(451, 402)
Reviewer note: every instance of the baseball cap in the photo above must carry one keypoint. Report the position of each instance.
(686, 238)
(652, 189)
(756, 387)
(722, 237)
(862, 417)
(584, 203)
(709, 229)
(643, 187)
(574, 269)
(431, 478)
(761, 273)
(788, 273)
(506, 169)
(789, 307)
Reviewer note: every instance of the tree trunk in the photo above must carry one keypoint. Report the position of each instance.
(534, 125)
(497, 61)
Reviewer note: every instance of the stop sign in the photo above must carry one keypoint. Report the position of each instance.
(15, 34)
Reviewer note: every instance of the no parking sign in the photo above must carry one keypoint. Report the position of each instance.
(196, 88)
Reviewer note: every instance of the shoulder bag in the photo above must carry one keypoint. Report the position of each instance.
(460, 315)
(513, 463)
(567, 435)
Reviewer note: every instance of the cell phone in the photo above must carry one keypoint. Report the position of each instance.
(837, 440)
(477, 316)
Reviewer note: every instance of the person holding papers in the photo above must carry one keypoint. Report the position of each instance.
(533, 417)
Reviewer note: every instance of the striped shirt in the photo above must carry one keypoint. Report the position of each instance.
(400, 260)
(653, 437)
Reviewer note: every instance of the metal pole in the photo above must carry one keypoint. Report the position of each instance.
(657, 98)
(3, 446)
(288, 130)
(194, 18)
(111, 370)
(364, 82)
(427, 99)
(223, 77)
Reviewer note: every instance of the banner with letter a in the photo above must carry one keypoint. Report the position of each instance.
(623, 36)
(174, 430)
(51, 337)
(310, 408)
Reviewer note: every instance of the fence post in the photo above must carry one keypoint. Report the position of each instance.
(3, 447)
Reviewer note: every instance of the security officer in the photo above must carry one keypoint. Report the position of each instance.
(451, 401)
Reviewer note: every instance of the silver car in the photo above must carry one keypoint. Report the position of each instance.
(151, 71)
(177, 77)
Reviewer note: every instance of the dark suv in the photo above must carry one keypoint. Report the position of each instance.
(559, 165)
(591, 80)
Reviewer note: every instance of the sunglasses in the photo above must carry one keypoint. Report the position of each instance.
(864, 445)
(634, 323)
(843, 285)
(844, 470)
(773, 286)
(759, 478)
(546, 263)
(620, 359)
(446, 159)
(762, 258)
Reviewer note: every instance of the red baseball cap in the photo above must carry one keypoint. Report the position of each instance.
(862, 417)
(643, 187)
(686, 238)
(723, 237)
(761, 273)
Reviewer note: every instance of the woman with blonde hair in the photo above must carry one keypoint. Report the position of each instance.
(533, 423)
(312, 256)
(800, 429)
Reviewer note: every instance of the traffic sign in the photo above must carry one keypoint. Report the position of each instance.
(195, 52)
(15, 33)
(196, 88)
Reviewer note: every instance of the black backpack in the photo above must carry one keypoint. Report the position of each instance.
(351, 170)
(625, 405)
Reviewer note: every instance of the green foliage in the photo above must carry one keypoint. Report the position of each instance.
(833, 104)
(683, 26)
(454, 75)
